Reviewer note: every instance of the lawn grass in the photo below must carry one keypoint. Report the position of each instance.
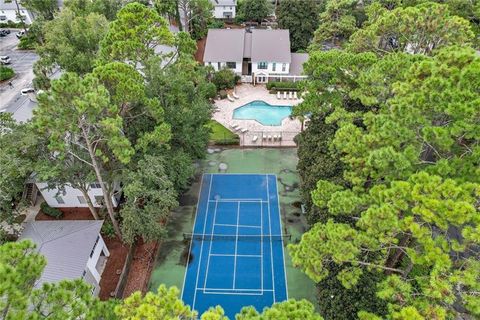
(221, 135)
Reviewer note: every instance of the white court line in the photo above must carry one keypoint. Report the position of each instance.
(234, 293)
(238, 200)
(236, 255)
(193, 231)
(210, 247)
(229, 289)
(261, 245)
(201, 248)
(236, 245)
(235, 225)
(281, 232)
(271, 244)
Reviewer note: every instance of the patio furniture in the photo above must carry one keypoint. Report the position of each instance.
(254, 139)
(274, 137)
(243, 130)
(230, 98)
(285, 95)
(295, 97)
(234, 126)
(269, 137)
(235, 95)
(279, 95)
(279, 137)
(264, 137)
(290, 95)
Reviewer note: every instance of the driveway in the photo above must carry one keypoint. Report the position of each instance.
(21, 62)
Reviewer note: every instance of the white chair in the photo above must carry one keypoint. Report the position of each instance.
(235, 95)
(269, 137)
(230, 98)
(234, 126)
(295, 97)
(278, 95)
(279, 137)
(274, 137)
(290, 95)
(254, 139)
(243, 130)
(264, 137)
(285, 95)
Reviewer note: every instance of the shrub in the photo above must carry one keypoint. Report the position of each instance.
(224, 79)
(222, 94)
(27, 43)
(6, 73)
(49, 211)
(287, 85)
(108, 230)
(11, 24)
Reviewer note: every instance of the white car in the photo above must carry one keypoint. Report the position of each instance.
(26, 91)
(4, 59)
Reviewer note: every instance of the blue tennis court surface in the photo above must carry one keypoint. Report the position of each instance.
(236, 254)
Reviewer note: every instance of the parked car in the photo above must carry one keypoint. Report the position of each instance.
(4, 59)
(7, 31)
(26, 91)
(3, 33)
(20, 34)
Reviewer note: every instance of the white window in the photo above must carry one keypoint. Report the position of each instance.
(284, 67)
(231, 65)
(262, 65)
(219, 65)
(82, 199)
(59, 200)
(274, 66)
(95, 185)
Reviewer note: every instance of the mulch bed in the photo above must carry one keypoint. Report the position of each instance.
(68, 214)
(200, 49)
(141, 268)
(113, 268)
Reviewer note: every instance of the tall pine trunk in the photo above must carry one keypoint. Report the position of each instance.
(92, 208)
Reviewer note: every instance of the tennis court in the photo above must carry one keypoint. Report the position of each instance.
(236, 252)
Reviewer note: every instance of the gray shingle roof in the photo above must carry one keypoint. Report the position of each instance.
(271, 45)
(224, 45)
(235, 44)
(296, 66)
(65, 244)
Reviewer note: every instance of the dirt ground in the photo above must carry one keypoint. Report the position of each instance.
(68, 214)
(113, 269)
(200, 49)
(141, 268)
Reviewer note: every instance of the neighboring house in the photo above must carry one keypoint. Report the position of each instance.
(257, 55)
(73, 250)
(69, 197)
(224, 9)
(9, 12)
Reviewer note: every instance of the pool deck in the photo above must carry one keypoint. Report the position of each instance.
(248, 93)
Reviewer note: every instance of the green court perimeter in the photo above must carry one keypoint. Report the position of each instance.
(170, 264)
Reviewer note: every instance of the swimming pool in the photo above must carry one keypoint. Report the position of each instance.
(262, 112)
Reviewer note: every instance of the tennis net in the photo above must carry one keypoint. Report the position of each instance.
(233, 237)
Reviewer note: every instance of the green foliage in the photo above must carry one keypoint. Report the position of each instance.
(6, 73)
(49, 211)
(255, 10)
(107, 8)
(20, 267)
(420, 30)
(201, 17)
(134, 34)
(337, 22)
(42, 8)
(150, 198)
(411, 180)
(108, 230)
(290, 309)
(221, 135)
(71, 41)
(301, 18)
(162, 305)
(224, 79)
(283, 85)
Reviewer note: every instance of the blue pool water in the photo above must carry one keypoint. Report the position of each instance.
(263, 112)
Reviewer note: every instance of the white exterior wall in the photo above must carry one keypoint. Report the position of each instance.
(269, 70)
(93, 260)
(70, 197)
(9, 14)
(218, 11)
(237, 70)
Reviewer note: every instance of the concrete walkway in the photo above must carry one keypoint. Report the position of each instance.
(258, 134)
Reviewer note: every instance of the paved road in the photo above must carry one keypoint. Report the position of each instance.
(22, 62)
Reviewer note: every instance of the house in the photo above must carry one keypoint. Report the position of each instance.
(69, 197)
(73, 250)
(257, 55)
(10, 12)
(224, 9)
